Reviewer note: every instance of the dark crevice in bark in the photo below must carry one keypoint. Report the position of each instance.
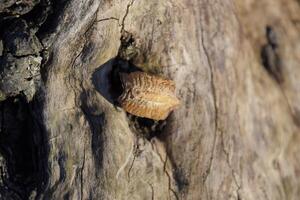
(181, 180)
(96, 122)
(106, 78)
(146, 128)
(125, 15)
(169, 178)
(81, 174)
(136, 152)
(233, 173)
(23, 139)
(22, 56)
(38, 15)
(272, 62)
(105, 19)
(164, 159)
(270, 56)
(127, 50)
(152, 190)
(216, 118)
(22, 143)
(51, 23)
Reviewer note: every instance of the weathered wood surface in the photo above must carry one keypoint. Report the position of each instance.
(235, 135)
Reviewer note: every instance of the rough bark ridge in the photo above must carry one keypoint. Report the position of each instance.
(235, 65)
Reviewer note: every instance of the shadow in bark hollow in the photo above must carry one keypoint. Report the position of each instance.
(23, 145)
(181, 180)
(107, 81)
(270, 55)
(54, 11)
(180, 176)
(271, 60)
(38, 15)
(96, 123)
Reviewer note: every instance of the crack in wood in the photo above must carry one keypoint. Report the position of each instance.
(164, 161)
(169, 179)
(131, 165)
(106, 19)
(126, 13)
(233, 173)
(81, 174)
(215, 104)
(152, 190)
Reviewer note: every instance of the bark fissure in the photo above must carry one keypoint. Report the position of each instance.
(169, 179)
(124, 17)
(227, 157)
(106, 19)
(214, 95)
(271, 59)
(152, 190)
(165, 161)
(25, 55)
(2, 118)
(131, 165)
(73, 62)
(81, 174)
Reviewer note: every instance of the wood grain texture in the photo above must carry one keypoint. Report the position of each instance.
(233, 137)
(235, 134)
(147, 95)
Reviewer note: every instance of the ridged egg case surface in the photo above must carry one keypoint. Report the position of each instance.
(147, 95)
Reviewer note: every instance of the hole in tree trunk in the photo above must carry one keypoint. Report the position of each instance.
(22, 146)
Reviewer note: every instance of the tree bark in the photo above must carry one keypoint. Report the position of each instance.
(236, 68)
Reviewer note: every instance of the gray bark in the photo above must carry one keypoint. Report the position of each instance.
(236, 69)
